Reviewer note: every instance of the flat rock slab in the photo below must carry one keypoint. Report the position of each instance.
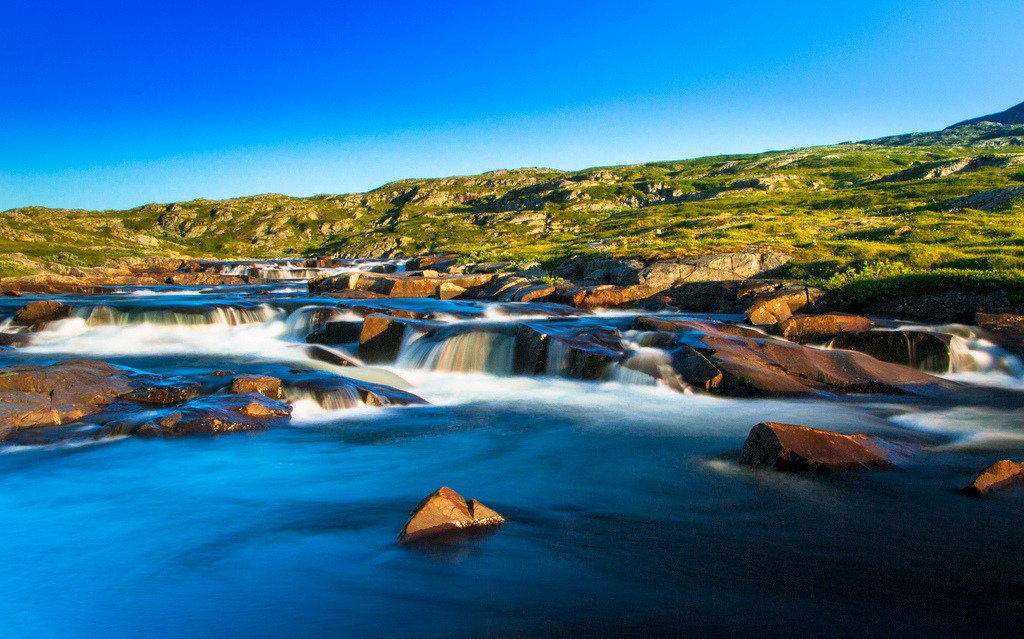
(445, 511)
(1001, 474)
(793, 447)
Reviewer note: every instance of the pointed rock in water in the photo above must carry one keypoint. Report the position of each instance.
(446, 511)
(798, 448)
(1001, 474)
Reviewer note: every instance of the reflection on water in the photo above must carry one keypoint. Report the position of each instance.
(628, 513)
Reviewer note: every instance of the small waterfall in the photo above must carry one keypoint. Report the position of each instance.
(972, 354)
(201, 316)
(478, 351)
(645, 366)
(329, 399)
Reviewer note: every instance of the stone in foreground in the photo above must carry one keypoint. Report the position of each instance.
(801, 448)
(1001, 474)
(445, 511)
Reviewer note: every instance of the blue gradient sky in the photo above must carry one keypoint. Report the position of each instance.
(119, 103)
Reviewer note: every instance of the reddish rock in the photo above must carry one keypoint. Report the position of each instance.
(35, 314)
(444, 512)
(200, 279)
(382, 335)
(1001, 474)
(818, 329)
(261, 384)
(799, 448)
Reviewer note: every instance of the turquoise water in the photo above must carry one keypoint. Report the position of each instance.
(627, 514)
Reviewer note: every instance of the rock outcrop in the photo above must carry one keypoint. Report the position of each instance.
(792, 447)
(35, 314)
(818, 329)
(924, 350)
(444, 512)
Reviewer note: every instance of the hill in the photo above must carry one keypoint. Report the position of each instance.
(833, 207)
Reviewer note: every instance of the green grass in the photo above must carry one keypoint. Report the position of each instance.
(829, 212)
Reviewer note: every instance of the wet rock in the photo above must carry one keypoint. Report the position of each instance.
(1005, 329)
(382, 336)
(260, 384)
(206, 416)
(923, 350)
(205, 279)
(999, 475)
(14, 339)
(444, 512)
(333, 391)
(801, 448)
(398, 284)
(35, 314)
(756, 365)
(154, 389)
(695, 369)
(331, 356)
(818, 329)
(337, 332)
(32, 396)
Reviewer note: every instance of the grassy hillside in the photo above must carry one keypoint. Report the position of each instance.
(902, 208)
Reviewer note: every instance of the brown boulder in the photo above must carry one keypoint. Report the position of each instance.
(261, 384)
(35, 314)
(51, 395)
(1001, 474)
(818, 329)
(443, 512)
(801, 448)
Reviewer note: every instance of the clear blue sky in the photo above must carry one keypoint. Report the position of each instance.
(119, 103)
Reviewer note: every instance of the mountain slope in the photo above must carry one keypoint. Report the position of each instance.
(829, 206)
(1013, 115)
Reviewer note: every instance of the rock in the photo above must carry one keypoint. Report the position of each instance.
(202, 279)
(35, 314)
(756, 365)
(1006, 329)
(952, 305)
(32, 396)
(206, 416)
(337, 332)
(14, 339)
(1001, 474)
(696, 370)
(769, 312)
(449, 291)
(801, 448)
(261, 384)
(154, 389)
(398, 284)
(818, 329)
(331, 356)
(382, 336)
(334, 391)
(444, 512)
(923, 350)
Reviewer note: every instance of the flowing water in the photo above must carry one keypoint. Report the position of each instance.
(627, 510)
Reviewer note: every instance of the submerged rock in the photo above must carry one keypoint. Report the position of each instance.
(445, 511)
(801, 448)
(1001, 474)
(35, 314)
(206, 416)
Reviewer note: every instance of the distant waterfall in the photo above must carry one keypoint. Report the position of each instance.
(200, 316)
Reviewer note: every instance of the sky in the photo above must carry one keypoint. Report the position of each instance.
(118, 103)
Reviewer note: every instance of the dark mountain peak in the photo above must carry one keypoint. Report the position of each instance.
(1013, 115)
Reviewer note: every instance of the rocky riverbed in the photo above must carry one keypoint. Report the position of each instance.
(671, 446)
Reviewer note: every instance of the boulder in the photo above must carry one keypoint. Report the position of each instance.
(329, 355)
(923, 350)
(800, 448)
(35, 314)
(14, 339)
(756, 365)
(261, 384)
(32, 396)
(1001, 474)
(818, 329)
(444, 512)
(334, 391)
(206, 416)
(337, 332)
(1005, 329)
